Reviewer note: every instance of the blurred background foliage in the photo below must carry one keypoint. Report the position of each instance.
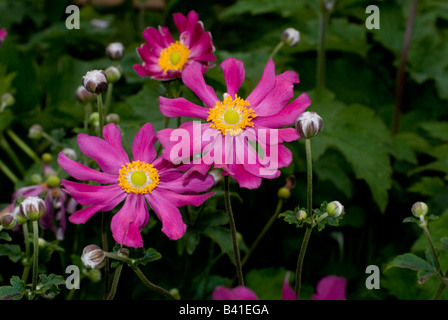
(358, 158)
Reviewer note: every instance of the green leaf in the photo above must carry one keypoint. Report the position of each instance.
(14, 292)
(410, 261)
(290, 217)
(255, 7)
(5, 236)
(266, 283)
(149, 256)
(50, 283)
(436, 129)
(13, 251)
(428, 186)
(444, 244)
(223, 237)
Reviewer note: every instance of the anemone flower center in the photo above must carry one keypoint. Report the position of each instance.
(138, 177)
(174, 57)
(231, 116)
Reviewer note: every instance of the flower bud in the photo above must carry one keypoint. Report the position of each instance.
(8, 221)
(335, 209)
(309, 124)
(301, 215)
(7, 100)
(53, 181)
(33, 208)
(35, 178)
(95, 81)
(115, 51)
(46, 157)
(284, 193)
(70, 153)
(84, 96)
(419, 209)
(21, 219)
(291, 36)
(93, 257)
(35, 131)
(112, 74)
(113, 118)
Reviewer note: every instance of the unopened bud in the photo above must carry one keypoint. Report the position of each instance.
(335, 209)
(36, 178)
(284, 193)
(33, 208)
(84, 96)
(35, 131)
(8, 220)
(70, 153)
(291, 36)
(419, 209)
(93, 257)
(115, 51)
(112, 74)
(301, 215)
(53, 181)
(47, 157)
(113, 118)
(309, 124)
(95, 81)
(95, 119)
(7, 100)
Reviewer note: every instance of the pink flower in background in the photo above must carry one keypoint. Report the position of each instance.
(147, 179)
(221, 139)
(3, 35)
(165, 59)
(328, 288)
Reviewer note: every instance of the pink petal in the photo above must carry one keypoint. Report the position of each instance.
(196, 182)
(275, 100)
(87, 194)
(193, 78)
(202, 49)
(81, 172)
(264, 86)
(244, 178)
(234, 74)
(172, 224)
(143, 145)
(287, 292)
(188, 26)
(26, 192)
(238, 293)
(130, 220)
(102, 152)
(112, 135)
(181, 107)
(331, 288)
(180, 200)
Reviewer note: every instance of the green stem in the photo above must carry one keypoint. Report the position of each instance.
(299, 268)
(8, 172)
(105, 248)
(309, 169)
(324, 16)
(110, 88)
(87, 113)
(433, 250)
(263, 232)
(152, 286)
(51, 140)
(23, 145)
(35, 253)
(99, 100)
(26, 241)
(114, 285)
(236, 250)
(276, 49)
(441, 288)
(5, 145)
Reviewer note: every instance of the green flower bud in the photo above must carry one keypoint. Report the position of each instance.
(53, 181)
(35, 131)
(335, 209)
(309, 124)
(115, 51)
(291, 36)
(33, 208)
(95, 81)
(419, 209)
(113, 74)
(93, 257)
(7, 100)
(36, 178)
(94, 275)
(47, 157)
(113, 118)
(8, 220)
(301, 215)
(284, 193)
(84, 96)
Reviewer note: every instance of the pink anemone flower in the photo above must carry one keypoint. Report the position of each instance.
(164, 59)
(328, 288)
(244, 137)
(3, 35)
(145, 180)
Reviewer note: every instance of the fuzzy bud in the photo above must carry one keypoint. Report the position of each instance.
(35, 131)
(7, 100)
(335, 209)
(95, 81)
(93, 257)
(309, 124)
(419, 209)
(113, 118)
(291, 36)
(33, 208)
(8, 220)
(53, 181)
(301, 215)
(115, 51)
(284, 193)
(113, 74)
(84, 96)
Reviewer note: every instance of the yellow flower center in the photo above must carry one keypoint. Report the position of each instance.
(231, 116)
(138, 177)
(174, 57)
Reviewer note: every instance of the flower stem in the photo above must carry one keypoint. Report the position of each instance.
(276, 49)
(5, 145)
(263, 232)
(8, 172)
(152, 286)
(35, 253)
(87, 113)
(402, 68)
(26, 240)
(114, 285)
(23, 145)
(110, 88)
(99, 100)
(236, 250)
(299, 268)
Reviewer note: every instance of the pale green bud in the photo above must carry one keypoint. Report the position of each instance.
(419, 209)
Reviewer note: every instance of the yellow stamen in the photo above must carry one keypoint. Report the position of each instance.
(231, 116)
(138, 177)
(174, 57)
